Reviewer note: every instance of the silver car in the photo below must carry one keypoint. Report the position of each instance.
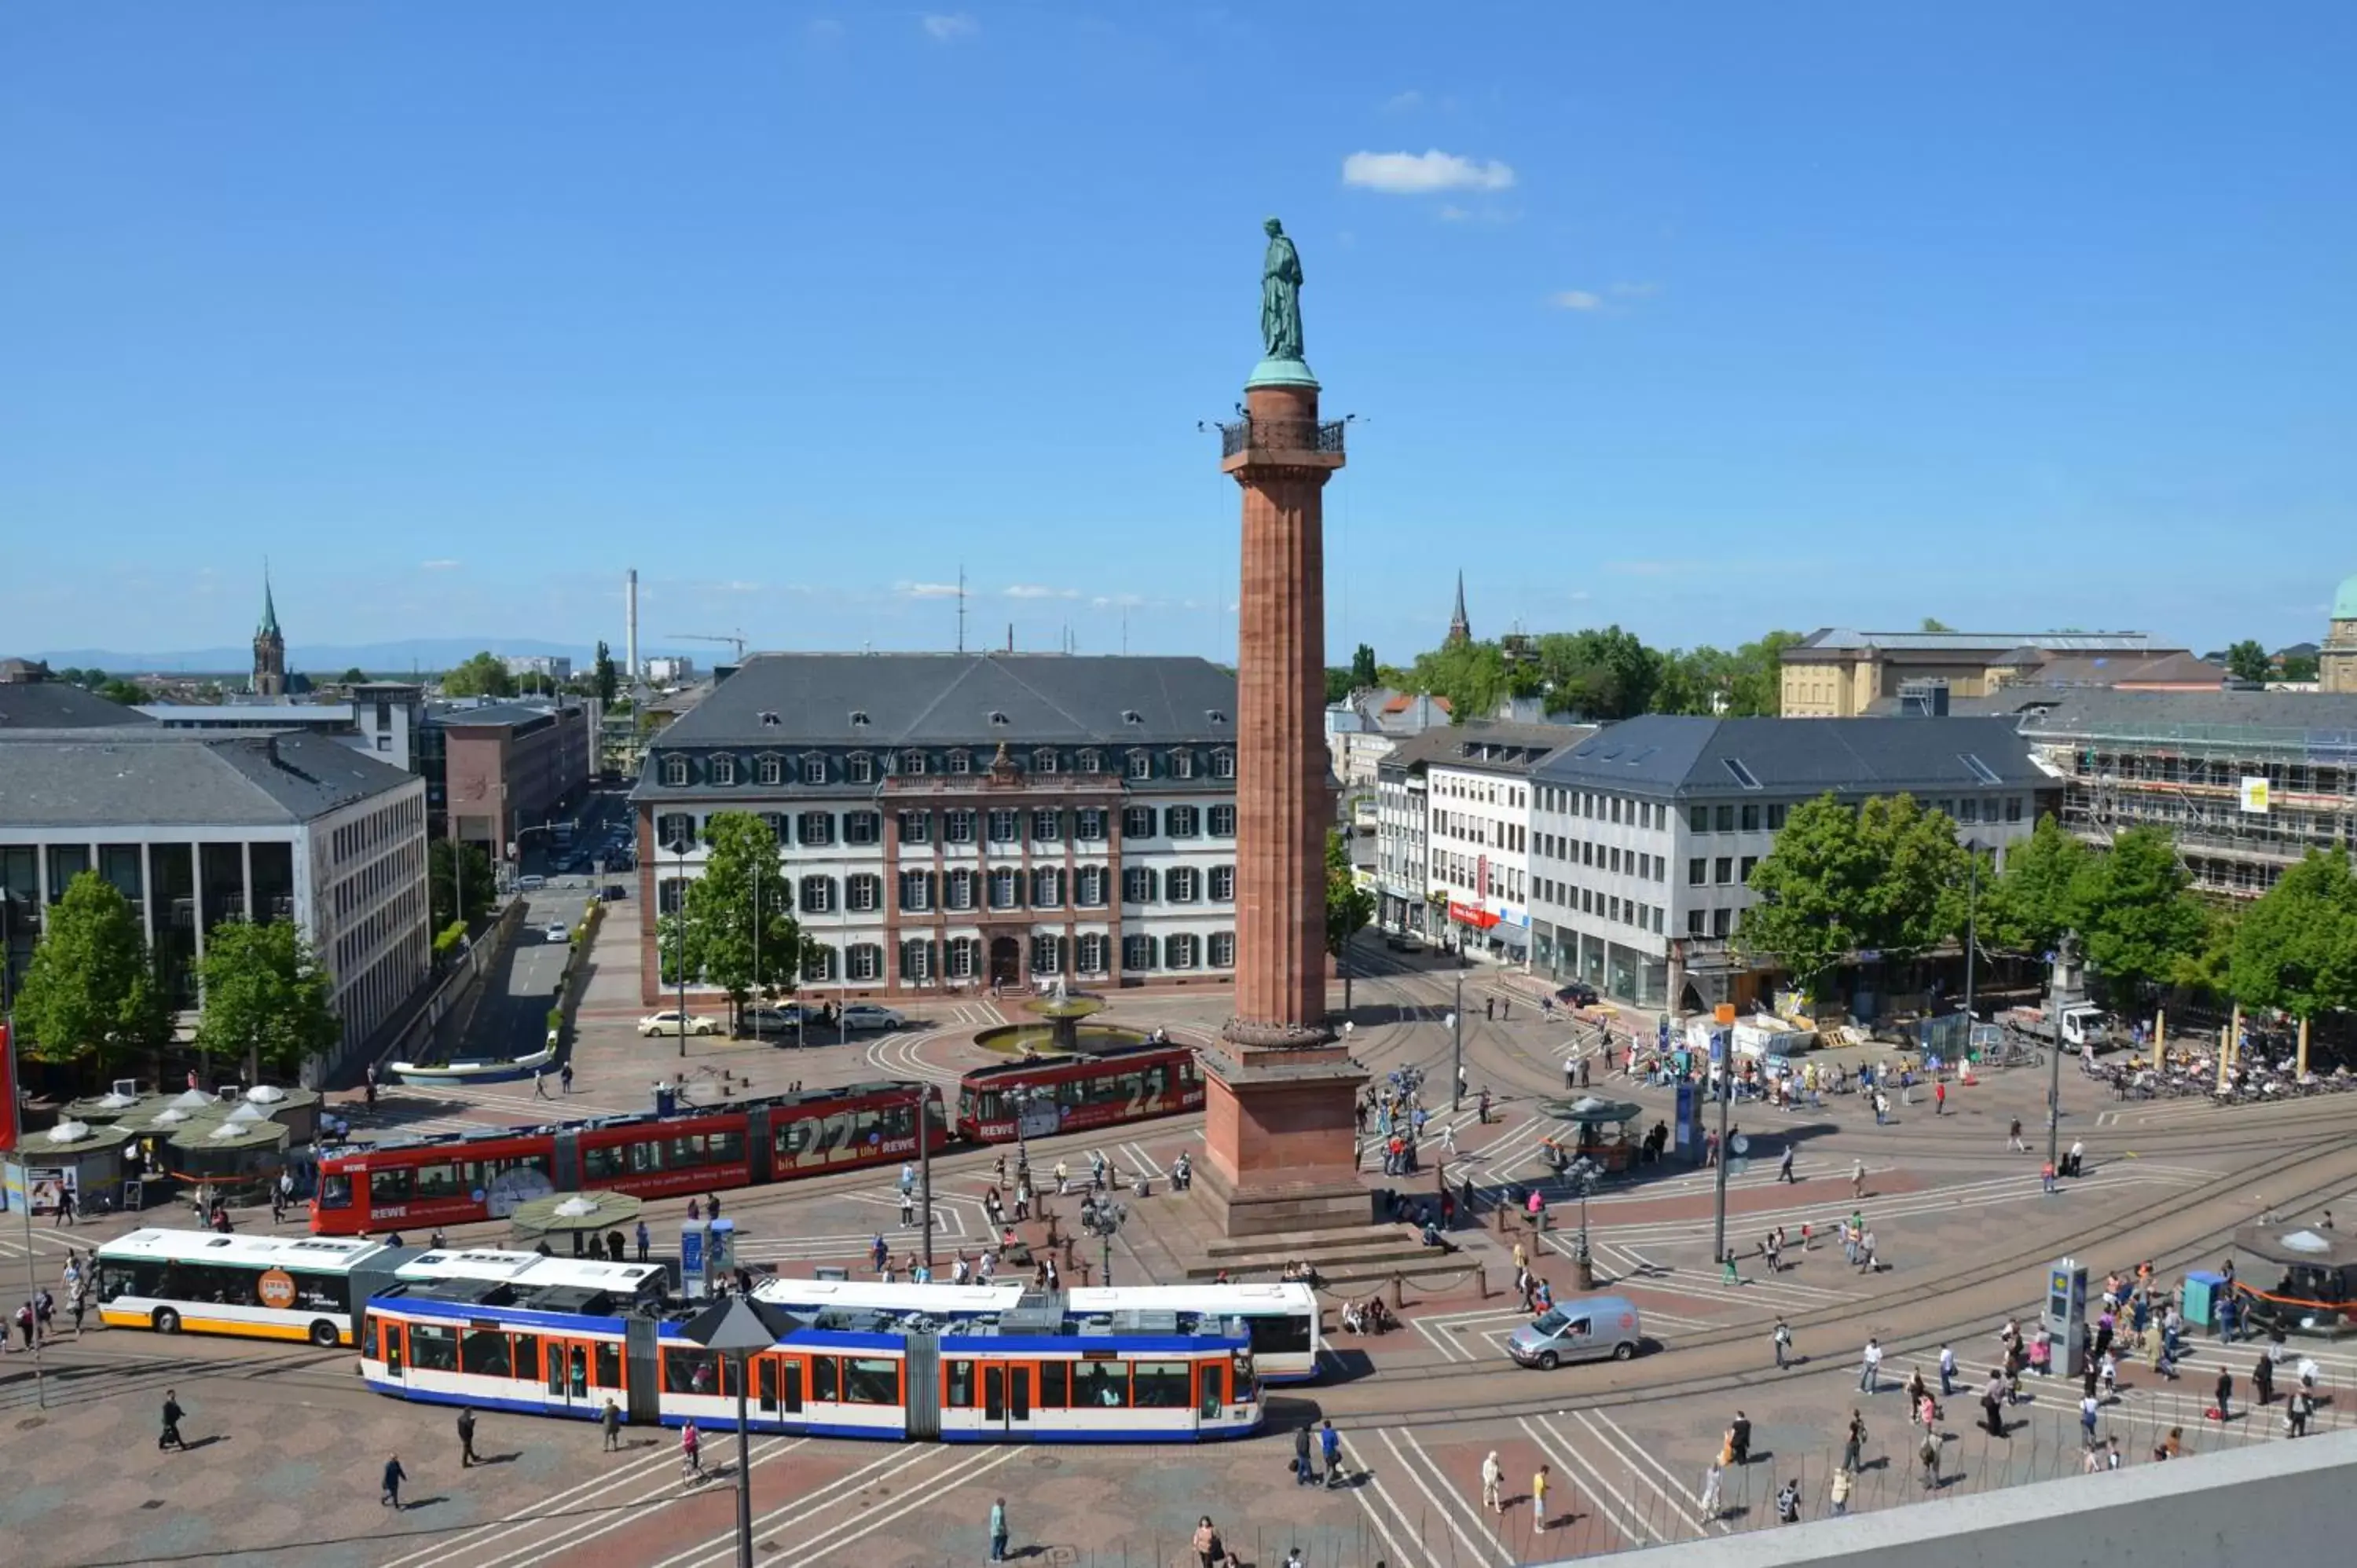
(1592, 1328)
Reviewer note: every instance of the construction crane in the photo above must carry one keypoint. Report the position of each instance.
(737, 642)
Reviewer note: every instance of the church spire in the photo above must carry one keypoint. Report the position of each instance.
(269, 627)
(1460, 630)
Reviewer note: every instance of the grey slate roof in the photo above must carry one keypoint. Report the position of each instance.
(947, 699)
(53, 705)
(495, 716)
(1842, 637)
(1462, 745)
(1666, 754)
(2314, 721)
(134, 778)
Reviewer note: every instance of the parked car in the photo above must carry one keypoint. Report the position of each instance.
(668, 1022)
(868, 1015)
(531, 884)
(780, 1020)
(614, 893)
(1587, 1329)
(558, 932)
(1578, 993)
(1403, 941)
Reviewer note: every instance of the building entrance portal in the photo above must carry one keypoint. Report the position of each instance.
(1005, 961)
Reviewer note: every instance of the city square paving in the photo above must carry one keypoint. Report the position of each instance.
(287, 1449)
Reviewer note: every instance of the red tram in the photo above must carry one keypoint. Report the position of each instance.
(423, 1183)
(1046, 1095)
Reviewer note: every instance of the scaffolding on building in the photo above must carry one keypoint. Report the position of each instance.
(2197, 781)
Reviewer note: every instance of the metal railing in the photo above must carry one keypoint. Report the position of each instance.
(1280, 436)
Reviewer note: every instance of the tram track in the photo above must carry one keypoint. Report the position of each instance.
(1980, 1279)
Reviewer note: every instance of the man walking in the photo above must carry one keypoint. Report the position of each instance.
(1782, 1339)
(1857, 1181)
(1538, 1499)
(2013, 1137)
(466, 1438)
(1739, 1440)
(1947, 1371)
(394, 1476)
(1784, 1168)
(998, 1531)
(170, 1437)
(646, 1238)
(539, 1091)
(565, 1076)
(610, 1418)
(1329, 1443)
(1305, 1472)
(1493, 1484)
(1707, 1511)
(1870, 1380)
(1940, 1099)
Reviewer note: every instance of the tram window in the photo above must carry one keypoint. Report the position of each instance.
(391, 1186)
(823, 1384)
(437, 1180)
(1278, 1334)
(1055, 1377)
(526, 1360)
(684, 1152)
(1099, 1385)
(962, 1384)
(433, 1348)
(870, 1381)
(691, 1371)
(1160, 1385)
(724, 1148)
(603, 1162)
(1157, 1080)
(610, 1364)
(335, 1192)
(368, 1336)
(900, 1122)
(644, 1158)
(484, 1353)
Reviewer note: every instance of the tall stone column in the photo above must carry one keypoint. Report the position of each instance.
(1280, 1136)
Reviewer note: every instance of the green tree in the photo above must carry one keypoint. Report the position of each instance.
(91, 996)
(1888, 876)
(2299, 667)
(725, 912)
(122, 692)
(353, 676)
(1338, 683)
(2030, 905)
(1349, 906)
(484, 675)
(267, 997)
(2296, 950)
(2246, 661)
(448, 865)
(2134, 907)
(1470, 675)
(72, 675)
(1601, 674)
(1935, 624)
(608, 678)
(1362, 666)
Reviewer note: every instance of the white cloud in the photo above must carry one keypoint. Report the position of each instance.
(1576, 299)
(926, 590)
(1117, 601)
(948, 28)
(1401, 102)
(444, 565)
(1421, 174)
(1040, 591)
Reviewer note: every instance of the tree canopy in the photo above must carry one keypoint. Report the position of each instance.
(605, 674)
(1349, 906)
(483, 675)
(353, 675)
(1597, 674)
(2296, 950)
(266, 998)
(724, 914)
(1363, 665)
(2026, 909)
(449, 865)
(1888, 876)
(2130, 905)
(2248, 660)
(91, 996)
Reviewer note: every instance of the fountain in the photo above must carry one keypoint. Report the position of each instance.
(1061, 1033)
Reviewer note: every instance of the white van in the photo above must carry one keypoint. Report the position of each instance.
(1592, 1328)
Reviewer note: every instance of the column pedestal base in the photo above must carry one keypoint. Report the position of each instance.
(1280, 1141)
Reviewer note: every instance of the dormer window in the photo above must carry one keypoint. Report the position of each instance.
(859, 718)
(1182, 764)
(814, 769)
(769, 771)
(997, 719)
(1215, 715)
(1090, 762)
(1223, 765)
(724, 769)
(862, 768)
(912, 763)
(1131, 716)
(675, 771)
(768, 720)
(1141, 764)
(1044, 760)
(960, 762)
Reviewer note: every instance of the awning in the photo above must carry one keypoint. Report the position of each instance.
(1466, 915)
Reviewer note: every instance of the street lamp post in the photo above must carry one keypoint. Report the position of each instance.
(1104, 1221)
(1457, 1050)
(679, 948)
(1582, 1174)
(738, 1328)
(1722, 1052)
(1972, 936)
(925, 1168)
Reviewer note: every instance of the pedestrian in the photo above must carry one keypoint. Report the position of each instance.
(1493, 1483)
(466, 1438)
(1854, 1445)
(610, 1418)
(1927, 1454)
(170, 1437)
(1729, 1276)
(691, 1454)
(1947, 1371)
(1869, 1377)
(1784, 1168)
(565, 1076)
(1993, 1404)
(1774, 1248)
(1329, 1443)
(394, 1476)
(1787, 1503)
(1939, 1099)
(1839, 1492)
(2013, 1138)
(2225, 1393)
(1209, 1552)
(1305, 1472)
(1571, 1069)
(1538, 1499)
(998, 1531)
(907, 1209)
(2046, 1177)
(539, 1091)
(1739, 1440)
(1707, 1508)
(1782, 1339)
(2263, 1380)
(646, 1239)
(1857, 1181)
(2088, 1407)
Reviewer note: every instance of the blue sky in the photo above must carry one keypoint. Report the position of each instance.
(1704, 318)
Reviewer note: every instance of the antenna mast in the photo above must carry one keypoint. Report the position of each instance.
(961, 606)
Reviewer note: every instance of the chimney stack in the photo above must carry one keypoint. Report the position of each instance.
(630, 631)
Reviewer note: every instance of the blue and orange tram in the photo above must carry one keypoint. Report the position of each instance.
(559, 1343)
